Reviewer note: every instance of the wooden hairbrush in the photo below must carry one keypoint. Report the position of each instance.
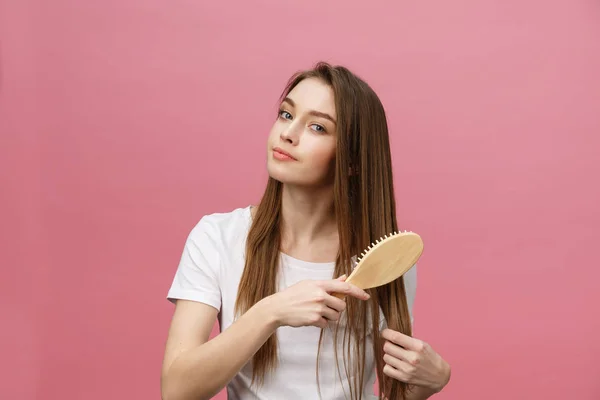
(386, 260)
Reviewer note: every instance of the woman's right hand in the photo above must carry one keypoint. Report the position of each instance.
(312, 303)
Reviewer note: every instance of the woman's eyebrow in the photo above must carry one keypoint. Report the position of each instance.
(311, 112)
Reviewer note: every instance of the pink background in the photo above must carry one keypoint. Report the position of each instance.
(123, 122)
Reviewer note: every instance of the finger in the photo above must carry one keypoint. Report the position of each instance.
(395, 373)
(321, 323)
(393, 361)
(357, 292)
(397, 351)
(401, 370)
(334, 302)
(403, 340)
(329, 313)
(342, 278)
(335, 286)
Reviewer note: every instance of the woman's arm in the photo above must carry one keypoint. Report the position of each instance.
(195, 368)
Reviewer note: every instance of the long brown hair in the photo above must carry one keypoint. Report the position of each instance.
(365, 210)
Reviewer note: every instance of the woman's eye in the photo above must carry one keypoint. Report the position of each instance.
(318, 128)
(285, 115)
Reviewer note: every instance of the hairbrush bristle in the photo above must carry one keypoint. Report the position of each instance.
(378, 241)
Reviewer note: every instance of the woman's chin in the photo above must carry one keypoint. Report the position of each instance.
(283, 178)
(281, 173)
(288, 176)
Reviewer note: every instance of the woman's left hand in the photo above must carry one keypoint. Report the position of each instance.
(413, 361)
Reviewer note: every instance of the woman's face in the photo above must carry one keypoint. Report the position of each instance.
(301, 145)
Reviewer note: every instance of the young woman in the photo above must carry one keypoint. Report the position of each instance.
(269, 273)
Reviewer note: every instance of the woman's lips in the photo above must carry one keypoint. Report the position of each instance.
(282, 155)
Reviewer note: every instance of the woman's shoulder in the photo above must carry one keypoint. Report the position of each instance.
(237, 215)
(223, 224)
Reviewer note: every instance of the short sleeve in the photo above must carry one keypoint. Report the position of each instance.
(197, 276)
(410, 288)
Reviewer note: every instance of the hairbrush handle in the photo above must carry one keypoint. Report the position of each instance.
(339, 295)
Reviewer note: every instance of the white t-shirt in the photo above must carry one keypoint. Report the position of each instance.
(209, 272)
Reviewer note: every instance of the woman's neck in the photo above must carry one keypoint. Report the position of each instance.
(309, 228)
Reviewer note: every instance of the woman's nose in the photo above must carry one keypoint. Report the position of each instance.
(290, 133)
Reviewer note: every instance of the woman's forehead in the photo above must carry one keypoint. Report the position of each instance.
(313, 94)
